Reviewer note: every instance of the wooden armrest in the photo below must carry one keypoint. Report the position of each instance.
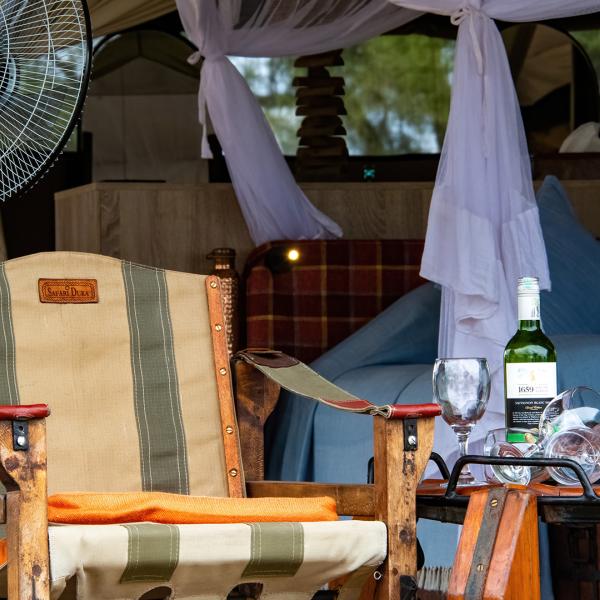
(24, 412)
(351, 500)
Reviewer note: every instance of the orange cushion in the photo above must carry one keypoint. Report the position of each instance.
(158, 507)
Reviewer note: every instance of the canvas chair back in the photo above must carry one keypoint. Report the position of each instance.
(133, 363)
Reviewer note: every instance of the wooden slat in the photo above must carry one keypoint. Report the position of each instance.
(3, 509)
(319, 122)
(515, 569)
(352, 500)
(322, 141)
(321, 102)
(324, 90)
(468, 541)
(327, 59)
(313, 81)
(325, 130)
(229, 426)
(320, 111)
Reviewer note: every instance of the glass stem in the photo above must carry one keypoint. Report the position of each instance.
(463, 442)
(463, 449)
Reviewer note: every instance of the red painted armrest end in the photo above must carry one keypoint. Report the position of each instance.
(414, 411)
(24, 413)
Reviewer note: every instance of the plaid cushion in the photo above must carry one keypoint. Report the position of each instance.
(334, 288)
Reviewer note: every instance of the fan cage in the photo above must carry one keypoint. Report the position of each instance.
(45, 63)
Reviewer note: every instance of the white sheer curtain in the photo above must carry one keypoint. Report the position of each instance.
(484, 229)
(273, 205)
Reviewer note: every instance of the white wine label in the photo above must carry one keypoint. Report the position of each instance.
(529, 388)
(529, 307)
(530, 380)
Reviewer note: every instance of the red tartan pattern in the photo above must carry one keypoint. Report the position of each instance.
(334, 289)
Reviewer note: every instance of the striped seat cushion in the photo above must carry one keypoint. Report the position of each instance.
(208, 561)
(130, 378)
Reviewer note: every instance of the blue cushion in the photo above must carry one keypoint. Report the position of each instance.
(573, 305)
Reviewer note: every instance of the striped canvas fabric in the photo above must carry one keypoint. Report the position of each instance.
(130, 379)
(196, 562)
(334, 288)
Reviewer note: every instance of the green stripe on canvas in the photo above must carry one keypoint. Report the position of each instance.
(277, 550)
(152, 552)
(163, 452)
(9, 392)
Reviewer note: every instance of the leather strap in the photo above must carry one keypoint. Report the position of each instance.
(296, 377)
(268, 358)
(24, 412)
(485, 542)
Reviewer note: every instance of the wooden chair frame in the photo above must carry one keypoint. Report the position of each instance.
(401, 450)
(391, 499)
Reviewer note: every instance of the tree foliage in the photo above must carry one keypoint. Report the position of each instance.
(590, 40)
(397, 94)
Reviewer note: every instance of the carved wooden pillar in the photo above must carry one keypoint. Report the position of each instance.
(322, 153)
(224, 269)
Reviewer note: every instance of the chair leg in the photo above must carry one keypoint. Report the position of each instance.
(23, 472)
(397, 474)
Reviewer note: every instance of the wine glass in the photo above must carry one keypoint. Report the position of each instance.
(580, 444)
(570, 428)
(513, 442)
(461, 386)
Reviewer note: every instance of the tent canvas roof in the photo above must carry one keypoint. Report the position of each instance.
(109, 16)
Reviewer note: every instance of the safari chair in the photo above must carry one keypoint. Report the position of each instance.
(133, 364)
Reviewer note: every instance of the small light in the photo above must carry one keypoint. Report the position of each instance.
(281, 259)
(293, 255)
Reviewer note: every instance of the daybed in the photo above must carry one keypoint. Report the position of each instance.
(390, 358)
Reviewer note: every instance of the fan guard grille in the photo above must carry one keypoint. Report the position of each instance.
(44, 69)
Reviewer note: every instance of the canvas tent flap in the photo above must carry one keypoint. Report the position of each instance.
(109, 16)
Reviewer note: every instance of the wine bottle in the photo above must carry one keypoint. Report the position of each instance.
(529, 363)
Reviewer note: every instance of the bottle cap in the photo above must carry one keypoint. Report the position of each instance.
(528, 286)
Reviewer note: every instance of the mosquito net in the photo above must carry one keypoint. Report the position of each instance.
(483, 230)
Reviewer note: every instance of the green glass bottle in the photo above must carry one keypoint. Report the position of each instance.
(529, 364)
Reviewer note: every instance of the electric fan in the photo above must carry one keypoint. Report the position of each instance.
(45, 54)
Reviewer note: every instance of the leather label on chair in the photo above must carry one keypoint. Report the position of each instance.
(68, 291)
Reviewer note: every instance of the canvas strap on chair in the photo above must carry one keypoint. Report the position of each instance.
(298, 378)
